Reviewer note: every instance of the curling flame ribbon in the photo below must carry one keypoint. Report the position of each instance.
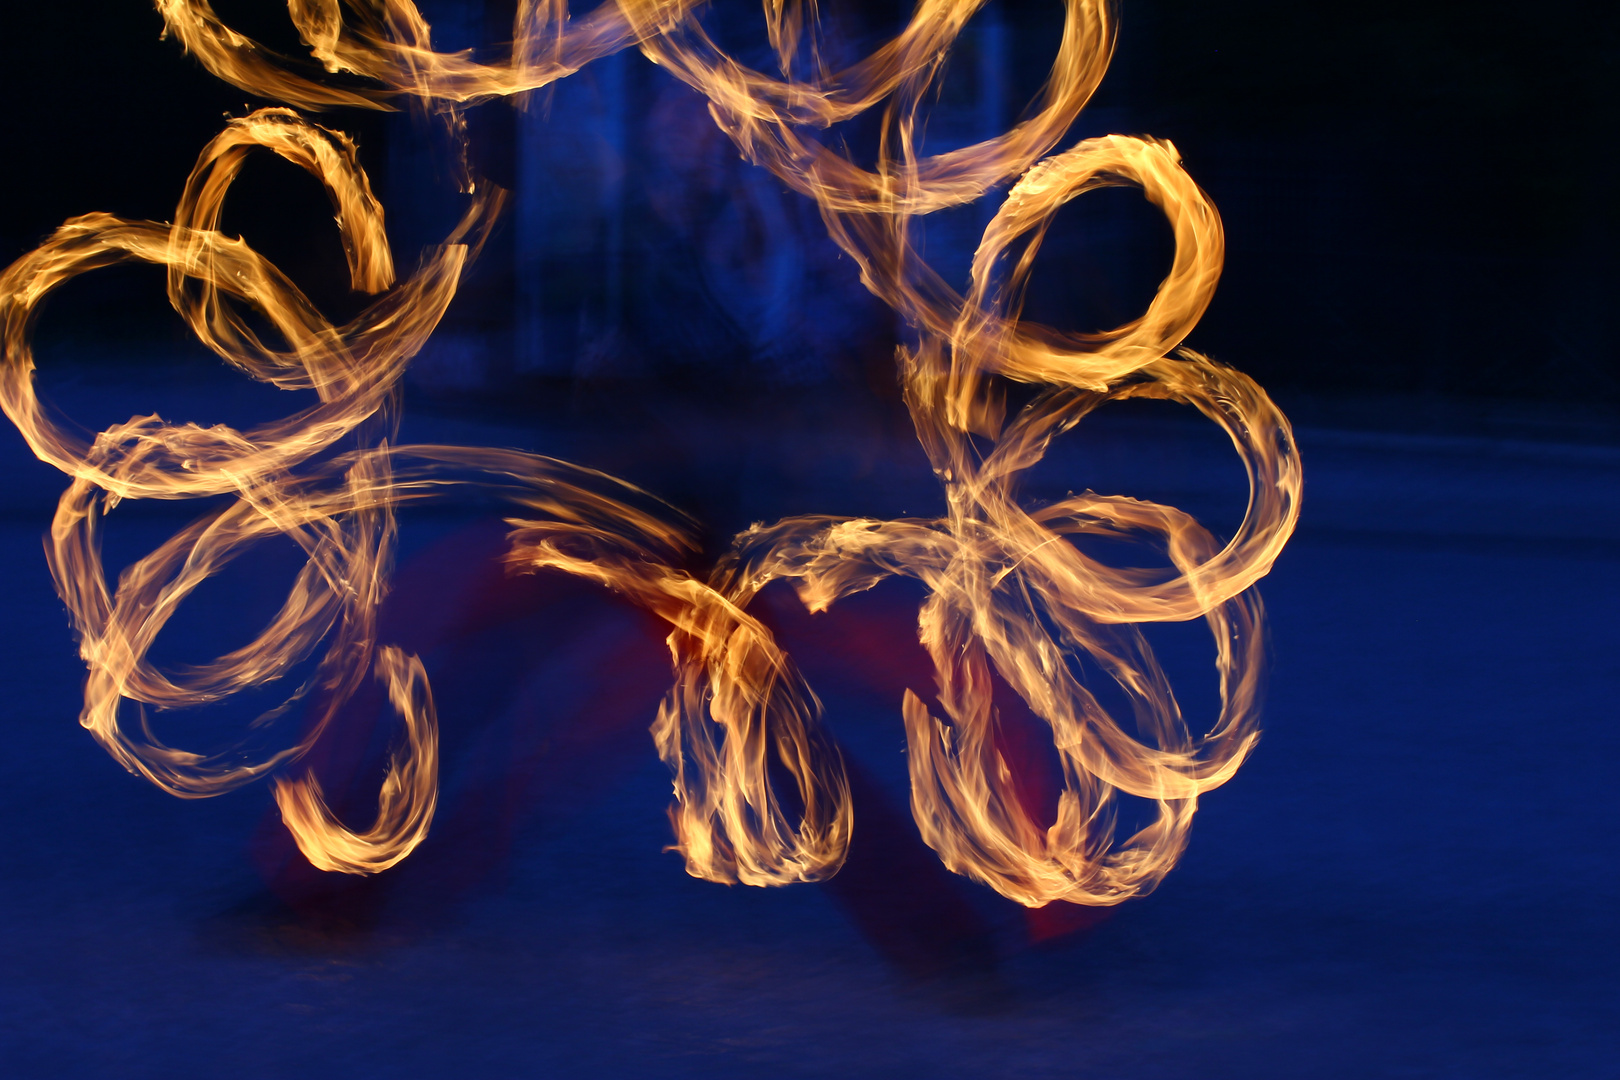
(1008, 593)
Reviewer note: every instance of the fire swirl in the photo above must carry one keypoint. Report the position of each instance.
(1009, 594)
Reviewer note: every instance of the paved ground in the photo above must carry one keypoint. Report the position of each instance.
(1415, 876)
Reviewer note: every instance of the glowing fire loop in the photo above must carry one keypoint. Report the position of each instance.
(1007, 591)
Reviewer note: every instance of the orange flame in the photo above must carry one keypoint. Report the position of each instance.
(1009, 594)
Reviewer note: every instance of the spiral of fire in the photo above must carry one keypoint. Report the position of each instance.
(1008, 591)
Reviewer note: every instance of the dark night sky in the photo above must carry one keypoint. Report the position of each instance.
(1416, 201)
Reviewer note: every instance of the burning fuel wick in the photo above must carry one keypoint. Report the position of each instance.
(999, 580)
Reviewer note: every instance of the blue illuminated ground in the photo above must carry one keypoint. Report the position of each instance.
(1415, 876)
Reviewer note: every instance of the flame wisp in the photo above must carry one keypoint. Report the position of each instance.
(1009, 594)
